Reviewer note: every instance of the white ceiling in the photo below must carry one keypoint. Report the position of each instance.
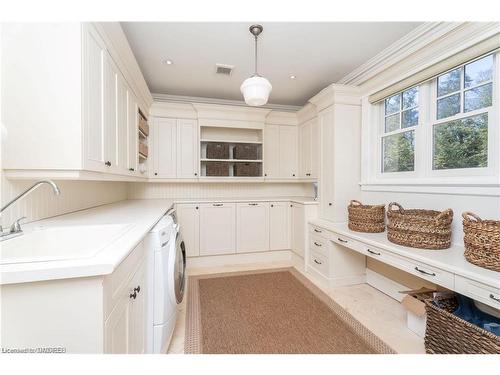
(318, 54)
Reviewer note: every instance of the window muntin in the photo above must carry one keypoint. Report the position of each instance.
(460, 131)
(401, 115)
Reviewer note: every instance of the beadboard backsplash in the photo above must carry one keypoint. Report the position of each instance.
(42, 203)
(217, 190)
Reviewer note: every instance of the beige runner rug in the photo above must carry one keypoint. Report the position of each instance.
(270, 311)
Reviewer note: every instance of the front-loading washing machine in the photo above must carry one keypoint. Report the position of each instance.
(167, 280)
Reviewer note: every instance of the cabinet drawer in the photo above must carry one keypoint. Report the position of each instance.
(115, 282)
(318, 244)
(320, 232)
(348, 242)
(319, 262)
(481, 292)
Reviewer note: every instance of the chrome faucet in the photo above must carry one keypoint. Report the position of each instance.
(15, 228)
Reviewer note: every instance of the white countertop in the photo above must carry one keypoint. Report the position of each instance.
(451, 260)
(301, 200)
(139, 215)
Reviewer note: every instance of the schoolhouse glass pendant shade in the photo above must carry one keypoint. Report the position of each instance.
(256, 89)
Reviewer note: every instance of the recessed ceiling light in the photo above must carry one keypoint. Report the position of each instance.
(292, 76)
(167, 62)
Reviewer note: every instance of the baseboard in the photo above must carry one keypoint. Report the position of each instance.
(237, 259)
(385, 285)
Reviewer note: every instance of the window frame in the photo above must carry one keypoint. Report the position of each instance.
(382, 134)
(491, 111)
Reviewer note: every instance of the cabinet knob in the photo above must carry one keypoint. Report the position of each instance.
(156, 173)
(108, 163)
(131, 169)
(293, 175)
(196, 207)
(138, 289)
(272, 205)
(133, 295)
(265, 174)
(196, 174)
(330, 204)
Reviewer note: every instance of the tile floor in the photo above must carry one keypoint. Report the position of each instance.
(378, 312)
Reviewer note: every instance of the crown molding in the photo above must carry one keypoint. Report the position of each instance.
(177, 110)
(416, 39)
(227, 102)
(336, 94)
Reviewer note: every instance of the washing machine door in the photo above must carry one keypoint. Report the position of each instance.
(179, 268)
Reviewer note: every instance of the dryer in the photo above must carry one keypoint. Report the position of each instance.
(166, 274)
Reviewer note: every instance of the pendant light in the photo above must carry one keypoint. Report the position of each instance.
(256, 89)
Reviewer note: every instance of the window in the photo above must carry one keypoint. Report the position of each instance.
(460, 130)
(398, 139)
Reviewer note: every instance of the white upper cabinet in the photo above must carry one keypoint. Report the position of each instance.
(252, 220)
(309, 149)
(272, 151)
(175, 151)
(217, 228)
(187, 148)
(132, 131)
(77, 93)
(288, 151)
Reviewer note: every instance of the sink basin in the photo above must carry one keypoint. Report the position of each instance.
(45, 244)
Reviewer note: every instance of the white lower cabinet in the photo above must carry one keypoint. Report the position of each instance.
(217, 228)
(252, 233)
(188, 216)
(279, 226)
(301, 214)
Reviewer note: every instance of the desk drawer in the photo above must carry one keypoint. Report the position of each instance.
(348, 242)
(318, 244)
(480, 292)
(319, 262)
(320, 232)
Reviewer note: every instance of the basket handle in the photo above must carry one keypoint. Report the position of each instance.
(400, 208)
(446, 213)
(467, 216)
(355, 203)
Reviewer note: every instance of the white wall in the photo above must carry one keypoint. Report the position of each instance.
(75, 195)
(217, 190)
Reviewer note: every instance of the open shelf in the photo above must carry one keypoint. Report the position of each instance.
(230, 142)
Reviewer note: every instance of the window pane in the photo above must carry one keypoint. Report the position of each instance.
(478, 97)
(398, 152)
(392, 123)
(392, 104)
(449, 82)
(479, 71)
(410, 98)
(462, 143)
(448, 106)
(410, 118)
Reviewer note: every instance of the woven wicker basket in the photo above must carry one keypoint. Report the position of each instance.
(449, 334)
(366, 218)
(424, 229)
(482, 241)
(217, 150)
(245, 152)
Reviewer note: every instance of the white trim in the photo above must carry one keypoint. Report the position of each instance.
(472, 188)
(402, 48)
(197, 99)
(284, 256)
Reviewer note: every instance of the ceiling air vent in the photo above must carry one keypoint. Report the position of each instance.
(224, 69)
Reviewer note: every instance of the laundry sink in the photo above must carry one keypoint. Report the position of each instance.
(43, 244)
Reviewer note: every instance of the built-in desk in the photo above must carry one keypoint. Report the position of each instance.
(447, 268)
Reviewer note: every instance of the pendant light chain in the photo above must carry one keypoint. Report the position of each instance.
(256, 74)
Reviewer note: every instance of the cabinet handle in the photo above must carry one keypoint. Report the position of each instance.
(318, 231)
(494, 298)
(253, 204)
(341, 240)
(317, 262)
(133, 295)
(424, 272)
(218, 204)
(108, 163)
(131, 169)
(372, 252)
(317, 244)
(138, 289)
